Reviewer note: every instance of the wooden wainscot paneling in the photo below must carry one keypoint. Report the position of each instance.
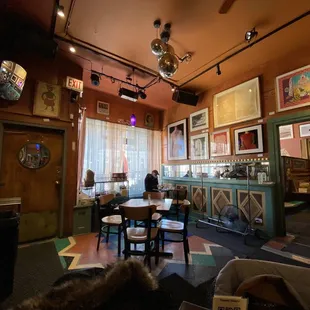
(221, 197)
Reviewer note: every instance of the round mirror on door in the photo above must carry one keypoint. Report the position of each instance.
(34, 155)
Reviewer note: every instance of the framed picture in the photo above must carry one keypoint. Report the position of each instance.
(199, 146)
(199, 120)
(47, 100)
(249, 140)
(103, 108)
(199, 198)
(237, 104)
(304, 130)
(149, 120)
(286, 132)
(220, 143)
(293, 89)
(177, 140)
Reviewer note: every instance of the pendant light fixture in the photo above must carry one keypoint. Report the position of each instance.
(133, 120)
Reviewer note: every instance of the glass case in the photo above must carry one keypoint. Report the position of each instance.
(219, 170)
(175, 171)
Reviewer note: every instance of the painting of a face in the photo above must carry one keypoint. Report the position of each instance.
(177, 138)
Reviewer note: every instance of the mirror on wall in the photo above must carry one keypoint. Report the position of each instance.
(34, 155)
(12, 80)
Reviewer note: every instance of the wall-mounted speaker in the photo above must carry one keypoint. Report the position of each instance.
(185, 97)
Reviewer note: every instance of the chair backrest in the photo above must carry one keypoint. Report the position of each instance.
(180, 194)
(138, 213)
(185, 208)
(104, 199)
(154, 195)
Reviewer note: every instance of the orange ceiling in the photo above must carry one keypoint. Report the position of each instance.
(125, 29)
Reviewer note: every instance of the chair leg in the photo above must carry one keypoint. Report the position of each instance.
(127, 245)
(119, 240)
(187, 246)
(185, 251)
(162, 236)
(108, 235)
(157, 250)
(99, 237)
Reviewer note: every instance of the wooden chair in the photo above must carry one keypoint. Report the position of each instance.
(179, 195)
(176, 227)
(154, 195)
(108, 220)
(139, 235)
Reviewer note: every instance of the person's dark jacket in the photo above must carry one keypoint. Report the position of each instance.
(150, 183)
(125, 285)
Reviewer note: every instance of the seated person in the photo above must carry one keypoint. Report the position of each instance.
(151, 181)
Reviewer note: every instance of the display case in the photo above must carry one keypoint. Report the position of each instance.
(219, 170)
(212, 185)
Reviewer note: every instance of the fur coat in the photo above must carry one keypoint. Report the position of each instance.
(125, 285)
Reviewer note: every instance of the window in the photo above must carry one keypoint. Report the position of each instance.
(111, 148)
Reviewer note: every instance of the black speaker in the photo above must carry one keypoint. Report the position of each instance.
(185, 97)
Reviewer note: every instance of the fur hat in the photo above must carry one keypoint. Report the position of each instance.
(127, 284)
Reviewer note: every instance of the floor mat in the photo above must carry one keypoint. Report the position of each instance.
(298, 249)
(37, 268)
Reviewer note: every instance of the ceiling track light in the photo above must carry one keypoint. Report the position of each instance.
(95, 79)
(250, 35)
(218, 69)
(61, 11)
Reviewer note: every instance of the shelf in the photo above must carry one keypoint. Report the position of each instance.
(110, 181)
(218, 181)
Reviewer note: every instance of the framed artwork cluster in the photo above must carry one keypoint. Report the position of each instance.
(235, 105)
(238, 104)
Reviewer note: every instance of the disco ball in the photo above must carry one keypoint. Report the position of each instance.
(158, 47)
(170, 49)
(168, 65)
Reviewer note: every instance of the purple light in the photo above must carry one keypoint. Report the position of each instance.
(133, 120)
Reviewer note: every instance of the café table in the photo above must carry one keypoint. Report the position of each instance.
(163, 206)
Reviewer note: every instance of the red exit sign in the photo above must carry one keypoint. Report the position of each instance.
(74, 84)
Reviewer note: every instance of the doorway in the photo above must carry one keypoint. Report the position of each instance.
(32, 168)
(295, 175)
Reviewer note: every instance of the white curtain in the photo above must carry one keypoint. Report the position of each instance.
(113, 147)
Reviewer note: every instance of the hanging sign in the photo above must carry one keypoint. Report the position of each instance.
(74, 84)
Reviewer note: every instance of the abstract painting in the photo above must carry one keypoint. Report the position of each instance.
(177, 140)
(293, 89)
(304, 130)
(220, 143)
(199, 146)
(199, 120)
(249, 140)
(47, 100)
(199, 199)
(286, 132)
(237, 104)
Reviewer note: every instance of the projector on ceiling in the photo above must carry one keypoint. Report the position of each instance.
(128, 94)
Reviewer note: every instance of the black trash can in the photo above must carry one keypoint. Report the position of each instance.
(9, 226)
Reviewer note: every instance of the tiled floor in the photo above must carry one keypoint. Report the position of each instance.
(80, 252)
(278, 244)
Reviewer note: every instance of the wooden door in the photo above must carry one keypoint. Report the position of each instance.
(38, 187)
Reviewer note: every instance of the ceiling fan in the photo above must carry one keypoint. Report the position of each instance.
(226, 6)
